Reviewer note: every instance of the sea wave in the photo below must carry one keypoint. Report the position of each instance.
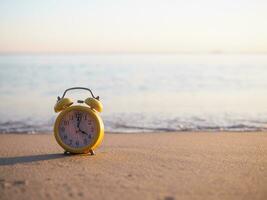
(32, 127)
(140, 92)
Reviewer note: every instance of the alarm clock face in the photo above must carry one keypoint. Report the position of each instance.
(77, 129)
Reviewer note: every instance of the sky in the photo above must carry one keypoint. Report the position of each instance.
(137, 26)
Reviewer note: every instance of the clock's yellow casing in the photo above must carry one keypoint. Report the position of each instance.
(99, 132)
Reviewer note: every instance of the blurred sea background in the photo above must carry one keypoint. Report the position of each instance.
(140, 92)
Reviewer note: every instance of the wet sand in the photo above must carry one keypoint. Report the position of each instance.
(156, 166)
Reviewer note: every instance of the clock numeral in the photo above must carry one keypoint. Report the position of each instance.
(71, 117)
(89, 136)
(89, 122)
(85, 141)
(66, 122)
(65, 136)
(77, 143)
(85, 117)
(70, 142)
(92, 129)
(62, 129)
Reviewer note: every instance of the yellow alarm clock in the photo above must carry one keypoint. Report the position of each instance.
(79, 128)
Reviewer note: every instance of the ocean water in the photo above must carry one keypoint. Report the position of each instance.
(140, 92)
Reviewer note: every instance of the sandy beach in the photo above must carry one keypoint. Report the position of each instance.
(156, 166)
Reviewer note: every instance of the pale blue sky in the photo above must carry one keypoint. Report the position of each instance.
(133, 26)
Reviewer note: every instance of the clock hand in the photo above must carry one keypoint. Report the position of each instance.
(84, 132)
(78, 125)
(78, 122)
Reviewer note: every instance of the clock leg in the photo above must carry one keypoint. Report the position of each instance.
(91, 152)
(66, 153)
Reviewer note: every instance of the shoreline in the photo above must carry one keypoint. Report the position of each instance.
(167, 166)
(145, 132)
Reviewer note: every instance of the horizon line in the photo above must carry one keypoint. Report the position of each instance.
(128, 52)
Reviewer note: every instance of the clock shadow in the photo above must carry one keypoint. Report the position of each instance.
(30, 158)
